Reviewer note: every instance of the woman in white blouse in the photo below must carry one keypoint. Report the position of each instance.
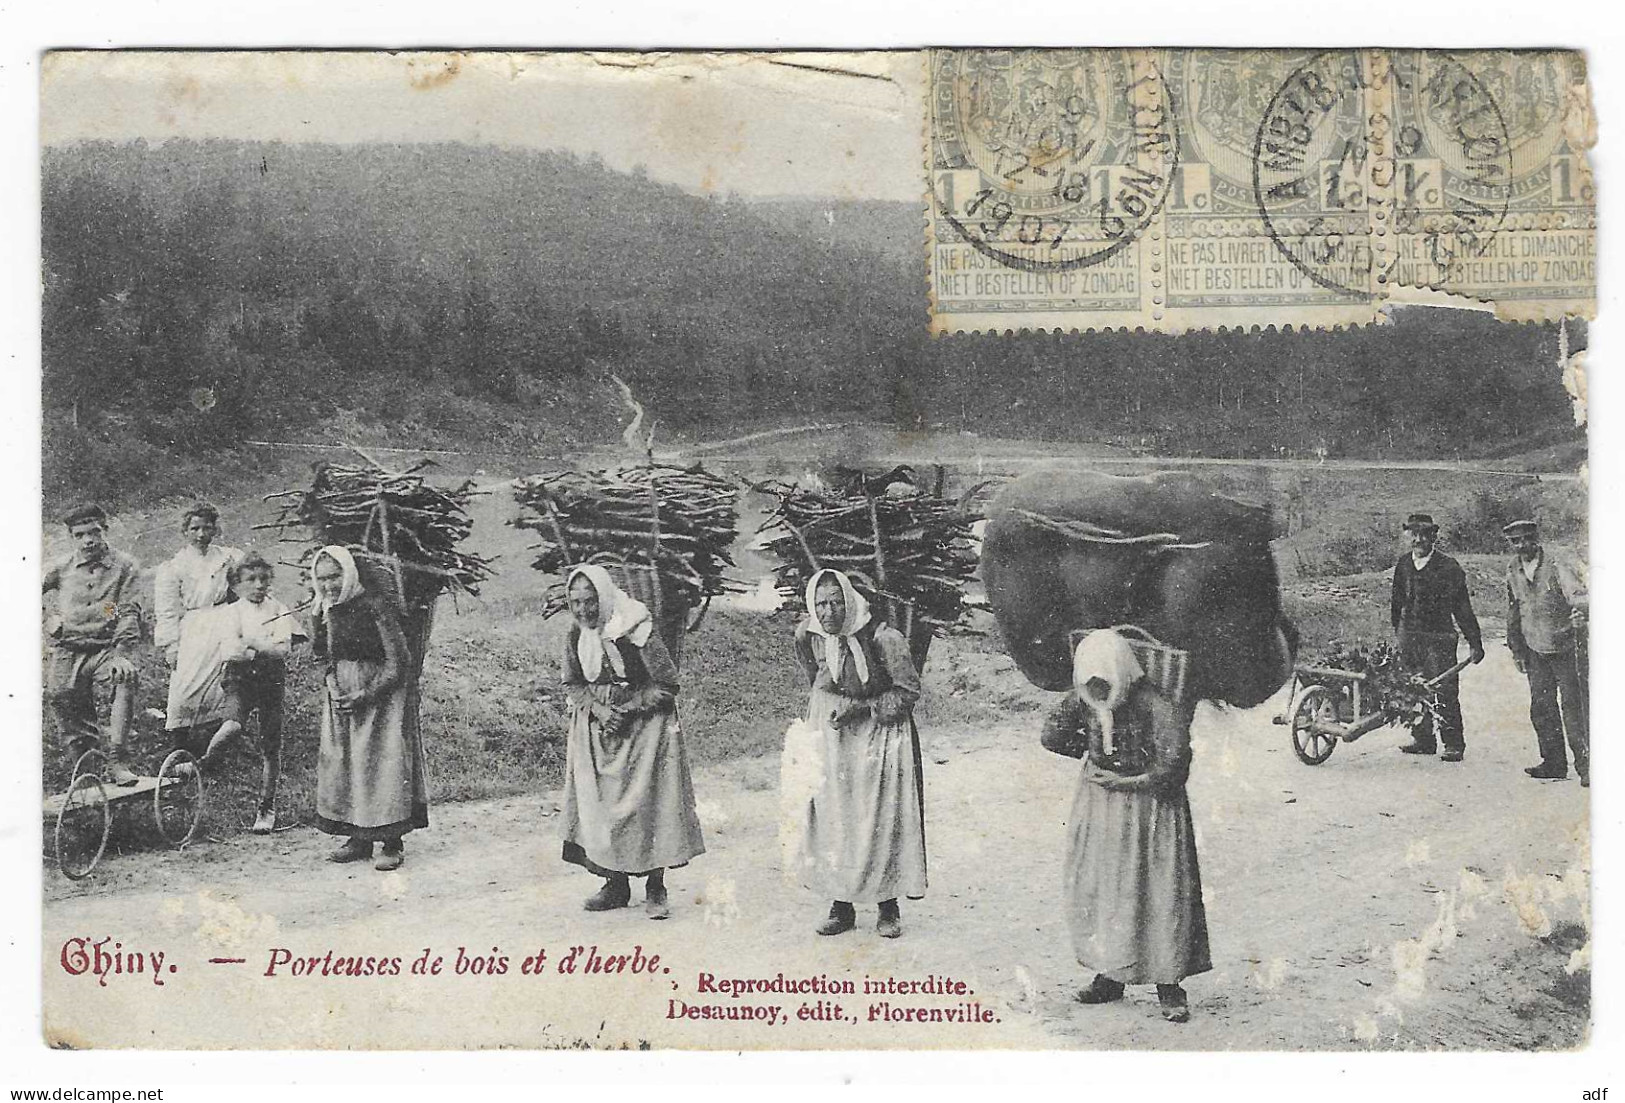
(190, 591)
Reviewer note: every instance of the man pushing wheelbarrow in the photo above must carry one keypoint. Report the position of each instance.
(1351, 693)
(1430, 601)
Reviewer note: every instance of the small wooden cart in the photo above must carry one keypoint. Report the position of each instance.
(1330, 705)
(79, 819)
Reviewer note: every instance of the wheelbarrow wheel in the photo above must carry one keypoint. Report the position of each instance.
(82, 826)
(1316, 705)
(177, 801)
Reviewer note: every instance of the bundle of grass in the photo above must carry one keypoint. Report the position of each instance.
(1403, 696)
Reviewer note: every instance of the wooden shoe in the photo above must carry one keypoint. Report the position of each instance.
(214, 755)
(842, 918)
(655, 903)
(1452, 756)
(1101, 990)
(392, 857)
(890, 923)
(1547, 772)
(120, 774)
(351, 850)
(616, 893)
(265, 822)
(1175, 1006)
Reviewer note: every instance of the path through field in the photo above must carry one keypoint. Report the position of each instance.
(1376, 901)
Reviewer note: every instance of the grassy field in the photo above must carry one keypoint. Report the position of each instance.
(1339, 523)
(1354, 608)
(494, 722)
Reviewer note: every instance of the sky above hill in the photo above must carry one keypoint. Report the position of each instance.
(844, 125)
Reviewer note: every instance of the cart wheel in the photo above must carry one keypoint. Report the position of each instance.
(177, 801)
(1315, 704)
(82, 826)
(93, 761)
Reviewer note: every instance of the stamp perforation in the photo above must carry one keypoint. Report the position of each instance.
(1342, 190)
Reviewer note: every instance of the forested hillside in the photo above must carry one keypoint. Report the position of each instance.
(197, 293)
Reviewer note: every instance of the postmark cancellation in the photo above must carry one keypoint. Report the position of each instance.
(1192, 189)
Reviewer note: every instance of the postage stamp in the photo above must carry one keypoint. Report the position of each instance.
(1278, 187)
(1492, 198)
(1050, 170)
(1267, 231)
(521, 573)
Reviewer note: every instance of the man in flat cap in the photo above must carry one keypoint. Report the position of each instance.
(1430, 601)
(95, 629)
(1547, 610)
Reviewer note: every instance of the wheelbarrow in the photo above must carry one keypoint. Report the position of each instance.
(1331, 706)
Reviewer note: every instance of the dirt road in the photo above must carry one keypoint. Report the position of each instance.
(1376, 901)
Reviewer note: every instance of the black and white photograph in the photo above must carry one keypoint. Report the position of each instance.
(935, 549)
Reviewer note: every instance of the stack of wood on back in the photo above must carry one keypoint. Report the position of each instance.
(907, 549)
(666, 531)
(403, 532)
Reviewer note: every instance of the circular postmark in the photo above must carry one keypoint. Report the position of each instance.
(1458, 153)
(1323, 160)
(1049, 160)
(1309, 148)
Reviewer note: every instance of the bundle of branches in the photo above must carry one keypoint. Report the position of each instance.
(397, 518)
(680, 520)
(900, 540)
(1403, 695)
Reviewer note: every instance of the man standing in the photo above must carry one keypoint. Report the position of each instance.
(94, 632)
(1547, 610)
(1430, 601)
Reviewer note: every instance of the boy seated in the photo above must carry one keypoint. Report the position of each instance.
(255, 678)
(95, 630)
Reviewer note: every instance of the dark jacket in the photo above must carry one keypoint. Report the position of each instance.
(651, 677)
(1427, 601)
(893, 686)
(1152, 740)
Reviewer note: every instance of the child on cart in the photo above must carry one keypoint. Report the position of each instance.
(254, 679)
(95, 629)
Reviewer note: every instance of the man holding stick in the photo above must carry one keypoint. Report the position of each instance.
(1547, 611)
(1430, 601)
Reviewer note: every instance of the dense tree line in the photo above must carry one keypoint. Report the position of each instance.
(200, 292)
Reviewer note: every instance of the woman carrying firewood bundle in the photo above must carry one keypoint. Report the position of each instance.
(863, 839)
(628, 797)
(1132, 887)
(370, 777)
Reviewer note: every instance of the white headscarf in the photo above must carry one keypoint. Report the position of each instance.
(1105, 656)
(857, 615)
(349, 577)
(619, 615)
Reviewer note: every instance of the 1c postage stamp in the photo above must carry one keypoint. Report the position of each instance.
(1492, 196)
(1193, 189)
(1051, 168)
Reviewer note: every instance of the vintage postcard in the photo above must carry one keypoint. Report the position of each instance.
(534, 560)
